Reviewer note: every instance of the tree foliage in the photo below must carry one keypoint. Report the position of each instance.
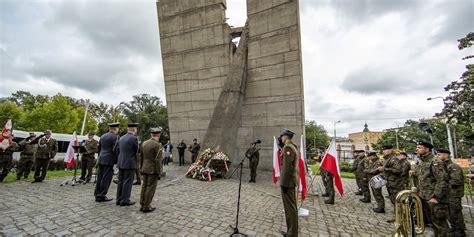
(9, 110)
(316, 135)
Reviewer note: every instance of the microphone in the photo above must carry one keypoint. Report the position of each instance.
(256, 142)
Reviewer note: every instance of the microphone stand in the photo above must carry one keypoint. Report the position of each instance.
(77, 149)
(236, 228)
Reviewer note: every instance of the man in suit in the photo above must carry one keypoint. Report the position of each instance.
(151, 155)
(181, 148)
(47, 149)
(108, 154)
(127, 164)
(88, 158)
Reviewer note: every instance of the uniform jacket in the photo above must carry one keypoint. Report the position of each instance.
(151, 155)
(28, 147)
(372, 167)
(181, 147)
(128, 152)
(194, 148)
(432, 179)
(456, 179)
(252, 154)
(405, 174)
(354, 165)
(108, 149)
(289, 166)
(47, 149)
(7, 154)
(362, 165)
(92, 147)
(392, 170)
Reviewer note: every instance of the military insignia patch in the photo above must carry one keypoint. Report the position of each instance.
(288, 153)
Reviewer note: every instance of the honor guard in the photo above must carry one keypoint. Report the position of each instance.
(151, 167)
(433, 188)
(88, 158)
(253, 155)
(374, 163)
(127, 164)
(355, 165)
(108, 155)
(27, 155)
(289, 179)
(47, 149)
(6, 158)
(363, 180)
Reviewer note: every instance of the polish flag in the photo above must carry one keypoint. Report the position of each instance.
(6, 135)
(276, 161)
(331, 164)
(302, 167)
(69, 159)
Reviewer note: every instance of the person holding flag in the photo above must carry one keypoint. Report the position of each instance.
(330, 163)
(7, 147)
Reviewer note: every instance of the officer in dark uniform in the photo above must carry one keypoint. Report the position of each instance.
(6, 158)
(194, 149)
(455, 193)
(181, 148)
(27, 155)
(151, 156)
(47, 149)
(289, 179)
(88, 158)
(108, 154)
(127, 164)
(253, 155)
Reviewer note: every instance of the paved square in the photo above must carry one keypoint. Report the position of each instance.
(185, 207)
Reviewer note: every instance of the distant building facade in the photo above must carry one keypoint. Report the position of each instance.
(364, 140)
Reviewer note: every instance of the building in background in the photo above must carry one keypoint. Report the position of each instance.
(364, 140)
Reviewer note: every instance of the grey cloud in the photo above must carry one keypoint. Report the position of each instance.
(373, 80)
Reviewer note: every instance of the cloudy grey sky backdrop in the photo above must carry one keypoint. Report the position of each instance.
(365, 60)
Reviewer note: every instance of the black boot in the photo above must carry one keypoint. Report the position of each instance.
(325, 195)
(379, 210)
(329, 201)
(364, 200)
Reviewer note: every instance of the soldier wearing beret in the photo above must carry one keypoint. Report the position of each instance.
(433, 188)
(6, 158)
(127, 164)
(151, 167)
(372, 170)
(47, 149)
(363, 180)
(354, 170)
(455, 193)
(27, 155)
(404, 182)
(392, 170)
(88, 158)
(253, 155)
(289, 179)
(108, 154)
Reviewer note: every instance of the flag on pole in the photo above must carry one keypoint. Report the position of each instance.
(276, 161)
(302, 167)
(330, 163)
(5, 137)
(69, 158)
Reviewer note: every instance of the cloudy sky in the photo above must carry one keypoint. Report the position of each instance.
(365, 60)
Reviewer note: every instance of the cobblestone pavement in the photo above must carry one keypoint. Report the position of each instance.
(185, 207)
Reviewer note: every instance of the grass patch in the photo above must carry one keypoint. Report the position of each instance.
(315, 169)
(11, 177)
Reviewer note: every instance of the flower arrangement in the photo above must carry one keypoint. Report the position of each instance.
(209, 165)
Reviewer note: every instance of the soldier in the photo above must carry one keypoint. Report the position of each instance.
(181, 148)
(356, 174)
(324, 174)
(6, 158)
(47, 149)
(194, 149)
(330, 188)
(373, 169)
(432, 188)
(27, 155)
(151, 156)
(455, 193)
(364, 181)
(88, 158)
(108, 154)
(253, 155)
(289, 181)
(127, 164)
(391, 171)
(405, 174)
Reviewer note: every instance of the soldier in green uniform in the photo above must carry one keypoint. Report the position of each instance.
(88, 158)
(324, 174)
(27, 155)
(355, 165)
(47, 149)
(151, 167)
(253, 155)
(364, 181)
(404, 182)
(6, 158)
(455, 193)
(330, 188)
(289, 179)
(373, 169)
(194, 149)
(432, 188)
(391, 171)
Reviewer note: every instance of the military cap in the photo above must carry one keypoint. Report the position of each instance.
(114, 125)
(195, 139)
(425, 144)
(132, 125)
(403, 153)
(386, 147)
(91, 133)
(47, 132)
(287, 133)
(32, 134)
(372, 153)
(443, 151)
(155, 130)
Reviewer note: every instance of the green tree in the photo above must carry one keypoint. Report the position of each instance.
(9, 110)
(91, 123)
(28, 101)
(316, 135)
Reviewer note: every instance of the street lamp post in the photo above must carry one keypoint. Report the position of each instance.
(338, 121)
(448, 129)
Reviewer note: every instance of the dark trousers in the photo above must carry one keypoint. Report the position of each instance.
(194, 157)
(291, 211)
(181, 158)
(166, 160)
(24, 167)
(253, 170)
(148, 190)
(104, 178)
(456, 217)
(137, 174)
(5, 166)
(87, 166)
(330, 188)
(438, 216)
(124, 186)
(41, 165)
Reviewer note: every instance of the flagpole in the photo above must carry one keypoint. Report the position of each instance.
(85, 117)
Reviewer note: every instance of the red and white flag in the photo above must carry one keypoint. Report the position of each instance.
(69, 159)
(276, 161)
(5, 137)
(302, 167)
(330, 163)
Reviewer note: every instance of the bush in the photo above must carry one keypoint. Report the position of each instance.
(345, 166)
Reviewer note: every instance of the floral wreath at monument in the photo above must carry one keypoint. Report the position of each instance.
(210, 164)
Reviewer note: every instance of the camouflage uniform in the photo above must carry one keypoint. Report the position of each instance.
(364, 181)
(405, 174)
(371, 171)
(6, 158)
(26, 158)
(323, 174)
(456, 192)
(433, 183)
(354, 170)
(393, 170)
